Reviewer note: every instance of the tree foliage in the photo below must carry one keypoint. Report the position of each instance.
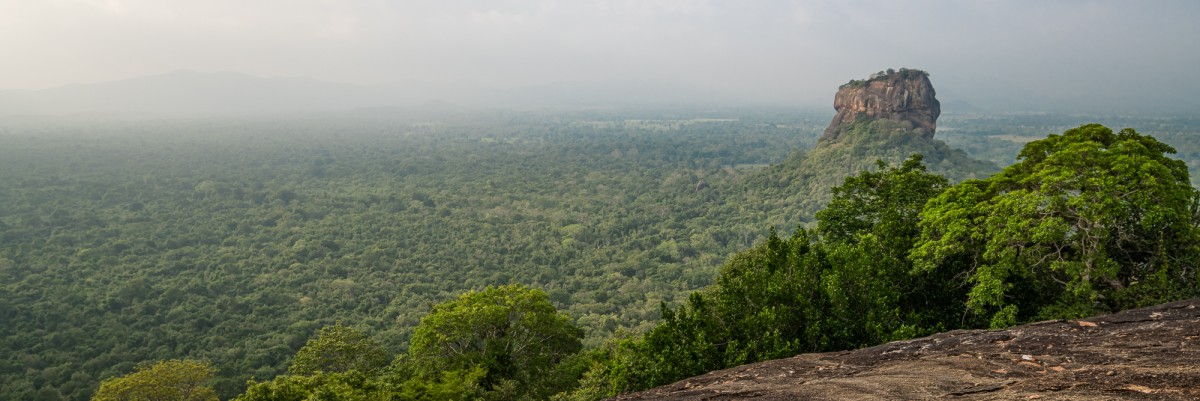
(354, 385)
(512, 332)
(238, 240)
(851, 287)
(1089, 221)
(172, 380)
(339, 349)
(884, 203)
(501, 343)
(806, 177)
(1085, 222)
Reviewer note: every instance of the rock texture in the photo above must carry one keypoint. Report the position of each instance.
(905, 96)
(1144, 354)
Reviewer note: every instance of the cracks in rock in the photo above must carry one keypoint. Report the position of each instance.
(980, 389)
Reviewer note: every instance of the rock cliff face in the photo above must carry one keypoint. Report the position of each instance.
(904, 96)
(1142, 354)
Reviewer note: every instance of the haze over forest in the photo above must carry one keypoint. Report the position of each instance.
(550, 200)
(171, 56)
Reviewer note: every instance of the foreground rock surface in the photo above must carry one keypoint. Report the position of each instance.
(1142, 354)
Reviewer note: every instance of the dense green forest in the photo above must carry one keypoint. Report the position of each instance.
(1087, 222)
(240, 241)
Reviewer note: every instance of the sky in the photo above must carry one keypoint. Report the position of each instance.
(794, 52)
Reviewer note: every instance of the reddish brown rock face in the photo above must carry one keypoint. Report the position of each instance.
(905, 96)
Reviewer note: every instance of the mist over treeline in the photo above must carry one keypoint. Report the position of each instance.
(187, 93)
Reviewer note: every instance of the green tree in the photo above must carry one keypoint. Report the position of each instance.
(885, 202)
(767, 302)
(350, 386)
(513, 332)
(172, 380)
(852, 287)
(357, 386)
(1085, 222)
(870, 227)
(395, 382)
(338, 349)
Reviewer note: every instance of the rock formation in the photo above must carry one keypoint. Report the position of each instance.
(904, 96)
(1142, 354)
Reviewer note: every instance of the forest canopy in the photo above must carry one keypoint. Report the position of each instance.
(862, 277)
(241, 243)
(1086, 222)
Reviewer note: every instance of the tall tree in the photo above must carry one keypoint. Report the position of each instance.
(338, 349)
(851, 287)
(1088, 221)
(173, 380)
(870, 227)
(513, 332)
(884, 203)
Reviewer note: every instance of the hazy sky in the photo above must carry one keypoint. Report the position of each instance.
(792, 51)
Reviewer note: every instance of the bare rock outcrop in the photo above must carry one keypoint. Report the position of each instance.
(904, 96)
(1142, 354)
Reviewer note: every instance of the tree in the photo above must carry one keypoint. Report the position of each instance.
(357, 386)
(885, 203)
(870, 227)
(513, 332)
(852, 287)
(172, 380)
(338, 349)
(343, 364)
(1085, 222)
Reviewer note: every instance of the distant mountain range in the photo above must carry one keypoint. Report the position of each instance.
(190, 93)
